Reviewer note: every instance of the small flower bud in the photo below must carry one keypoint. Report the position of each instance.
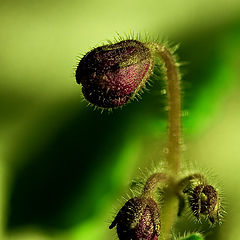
(111, 75)
(204, 200)
(138, 219)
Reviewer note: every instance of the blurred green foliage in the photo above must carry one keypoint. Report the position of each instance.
(194, 237)
(63, 165)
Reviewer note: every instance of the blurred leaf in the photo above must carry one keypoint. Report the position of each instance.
(193, 236)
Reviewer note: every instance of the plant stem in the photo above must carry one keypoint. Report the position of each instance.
(152, 182)
(170, 207)
(174, 109)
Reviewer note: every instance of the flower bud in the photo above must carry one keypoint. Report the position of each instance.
(111, 75)
(204, 200)
(138, 219)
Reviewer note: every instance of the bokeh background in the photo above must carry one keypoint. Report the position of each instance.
(63, 166)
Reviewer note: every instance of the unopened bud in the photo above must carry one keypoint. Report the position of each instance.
(138, 219)
(204, 200)
(113, 74)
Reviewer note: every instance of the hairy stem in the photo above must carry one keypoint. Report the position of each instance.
(152, 182)
(174, 109)
(196, 176)
(174, 134)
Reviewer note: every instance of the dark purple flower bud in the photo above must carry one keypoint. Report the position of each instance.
(138, 219)
(111, 75)
(204, 200)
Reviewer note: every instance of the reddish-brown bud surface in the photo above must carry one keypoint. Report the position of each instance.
(111, 75)
(138, 219)
(204, 200)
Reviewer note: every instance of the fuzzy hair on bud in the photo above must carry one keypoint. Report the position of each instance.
(138, 219)
(113, 74)
(204, 200)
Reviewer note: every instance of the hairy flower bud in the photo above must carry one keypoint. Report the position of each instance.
(111, 75)
(204, 200)
(138, 219)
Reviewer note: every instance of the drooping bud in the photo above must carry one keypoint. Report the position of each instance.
(204, 200)
(113, 74)
(138, 219)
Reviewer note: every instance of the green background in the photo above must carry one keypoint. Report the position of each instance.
(62, 165)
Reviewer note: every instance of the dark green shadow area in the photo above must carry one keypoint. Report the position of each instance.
(73, 170)
(209, 73)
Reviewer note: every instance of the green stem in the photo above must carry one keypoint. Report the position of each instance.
(174, 108)
(170, 207)
(198, 177)
(152, 182)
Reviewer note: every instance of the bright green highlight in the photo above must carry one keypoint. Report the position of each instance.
(195, 236)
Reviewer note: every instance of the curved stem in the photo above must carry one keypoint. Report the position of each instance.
(186, 180)
(174, 108)
(170, 208)
(152, 182)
